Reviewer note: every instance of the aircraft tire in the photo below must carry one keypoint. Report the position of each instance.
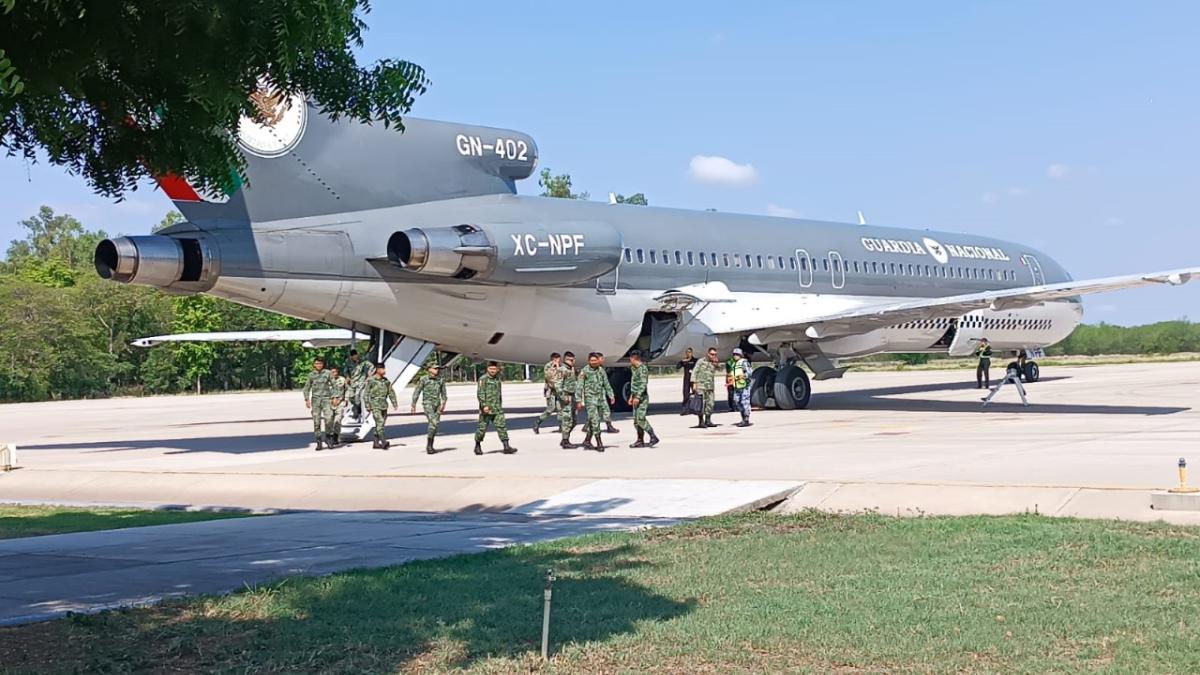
(619, 379)
(1014, 367)
(762, 386)
(792, 389)
(1032, 372)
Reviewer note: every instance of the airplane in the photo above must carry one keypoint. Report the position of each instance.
(418, 240)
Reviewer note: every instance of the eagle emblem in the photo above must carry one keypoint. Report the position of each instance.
(271, 105)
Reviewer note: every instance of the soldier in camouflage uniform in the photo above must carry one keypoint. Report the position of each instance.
(359, 371)
(639, 400)
(339, 388)
(431, 390)
(593, 392)
(376, 396)
(608, 425)
(316, 399)
(703, 376)
(552, 375)
(491, 409)
(566, 400)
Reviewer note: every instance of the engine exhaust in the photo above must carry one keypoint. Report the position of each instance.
(157, 260)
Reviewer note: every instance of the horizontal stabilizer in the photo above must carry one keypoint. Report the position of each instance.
(318, 337)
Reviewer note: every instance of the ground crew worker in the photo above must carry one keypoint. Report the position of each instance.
(491, 409)
(552, 375)
(982, 376)
(730, 392)
(593, 392)
(687, 364)
(358, 371)
(566, 400)
(704, 383)
(338, 389)
(376, 396)
(431, 390)
(741, 386)
(316, 399)
(608, 425)
(639, 400)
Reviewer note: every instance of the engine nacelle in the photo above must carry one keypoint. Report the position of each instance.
(558, 254)
(189, 264)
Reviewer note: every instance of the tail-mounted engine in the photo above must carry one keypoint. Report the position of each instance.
(532, 255)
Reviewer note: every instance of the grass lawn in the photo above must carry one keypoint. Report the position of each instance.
(30, 521)
(753, 593)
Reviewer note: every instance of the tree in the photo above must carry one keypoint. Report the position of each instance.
(558, 186)
(126, 89)
(637, 199)
(51, 235)
(195, 314)
(168, 220)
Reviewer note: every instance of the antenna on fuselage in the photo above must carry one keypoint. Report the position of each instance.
(862, 220)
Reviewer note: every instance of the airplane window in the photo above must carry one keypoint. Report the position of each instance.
(892, 267)
(770, 262)
(792, 263)
(737, 261)
(856, 267)
(712, 255)
(725, 259)
(780, 262)
(641, 256)
(703, 259)
(749, 261)
(628, 256)
(825, 264)
(803, 263)
(927, 271)
(691, 259)
(678, 257)
(653, 256)
(759, 260)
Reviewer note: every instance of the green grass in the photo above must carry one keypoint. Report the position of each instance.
(31, 521)
(755, 593)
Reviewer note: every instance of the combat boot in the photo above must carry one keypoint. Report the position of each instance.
(478, 448)
(536, 424)
(641, 440)
(653, 440)
(508, 449)
(376, 444)
(567, 445)
(599, 444)
(609, 428)
(385, 444)
(330, 442)
(320, 445)
(429, 445)
(708, 421)
(699, 422)
(587, 442)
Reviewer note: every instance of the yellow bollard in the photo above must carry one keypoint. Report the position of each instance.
(1183, 488)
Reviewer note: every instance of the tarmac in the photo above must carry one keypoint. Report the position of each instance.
(1096, 442)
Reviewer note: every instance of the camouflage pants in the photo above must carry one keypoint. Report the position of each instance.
(742, 398)
(595, 416)
(354, 395)
(322, 411)
(497, 420)
(339, 411)
(552, 407)
(566, 417)
(709, 402)
(639, 415)
(607, 410)
(380, 417)
(433, 413)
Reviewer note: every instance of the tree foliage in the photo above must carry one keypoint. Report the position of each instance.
(558, 186)
(126, 89)
(637, 199)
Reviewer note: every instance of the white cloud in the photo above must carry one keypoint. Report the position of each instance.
(781, 211)
(1057, 171)
(721, 171)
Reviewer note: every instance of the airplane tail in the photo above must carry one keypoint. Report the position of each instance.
(304, 164)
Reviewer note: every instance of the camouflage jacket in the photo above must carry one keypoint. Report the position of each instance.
(703, 375)
(317, 385)
(552, 375)
(433, 389)
(379, 393)
(337, 387)
(359, 372)
(639, 381)
(566, 387)
(592, 386)
(489, 393)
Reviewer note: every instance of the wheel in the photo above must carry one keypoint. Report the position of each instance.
(619, 379)
(1032, 372)
(762, 386)
(792, 389)
(1014, 367)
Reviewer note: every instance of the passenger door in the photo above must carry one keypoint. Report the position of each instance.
(837, 269)
(804, 267)
(1035, 268)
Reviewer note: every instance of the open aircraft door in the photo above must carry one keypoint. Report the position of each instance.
(966, 336)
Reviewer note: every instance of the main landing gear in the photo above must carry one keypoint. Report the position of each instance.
(789, 388)
(1030, 373)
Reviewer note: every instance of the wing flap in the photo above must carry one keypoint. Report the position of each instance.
(318, 337)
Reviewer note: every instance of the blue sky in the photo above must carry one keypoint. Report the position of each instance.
(1068, 125)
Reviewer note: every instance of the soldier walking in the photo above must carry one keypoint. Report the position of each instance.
(593, 392)
(608, 425)
(378, 393)
(491, 409)
(741, 386)
(316, 399)
(566, 400)
(687, 363)
(552, 376)
(639, 400)
(703, 383)
(358, 371)
(431, 391)
(339, 387)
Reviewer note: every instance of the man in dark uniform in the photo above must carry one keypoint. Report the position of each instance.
(687, 364)
(984, 353)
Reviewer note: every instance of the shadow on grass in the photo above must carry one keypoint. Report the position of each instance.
(433, 614)
(32, 521)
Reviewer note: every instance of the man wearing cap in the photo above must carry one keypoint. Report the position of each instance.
(358, 370)
(377, 394)
(983, 352)
(552, 377)
(740, 379)
(317, 389)
(703, 383)
(566, 400)
(639, 400)
(431, 391)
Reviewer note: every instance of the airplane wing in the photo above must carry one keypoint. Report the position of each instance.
(318, 337)
(861, 319)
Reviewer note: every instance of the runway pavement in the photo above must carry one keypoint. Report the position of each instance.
(1095, 441)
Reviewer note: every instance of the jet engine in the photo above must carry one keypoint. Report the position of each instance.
(184, 263)
(561, 254)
